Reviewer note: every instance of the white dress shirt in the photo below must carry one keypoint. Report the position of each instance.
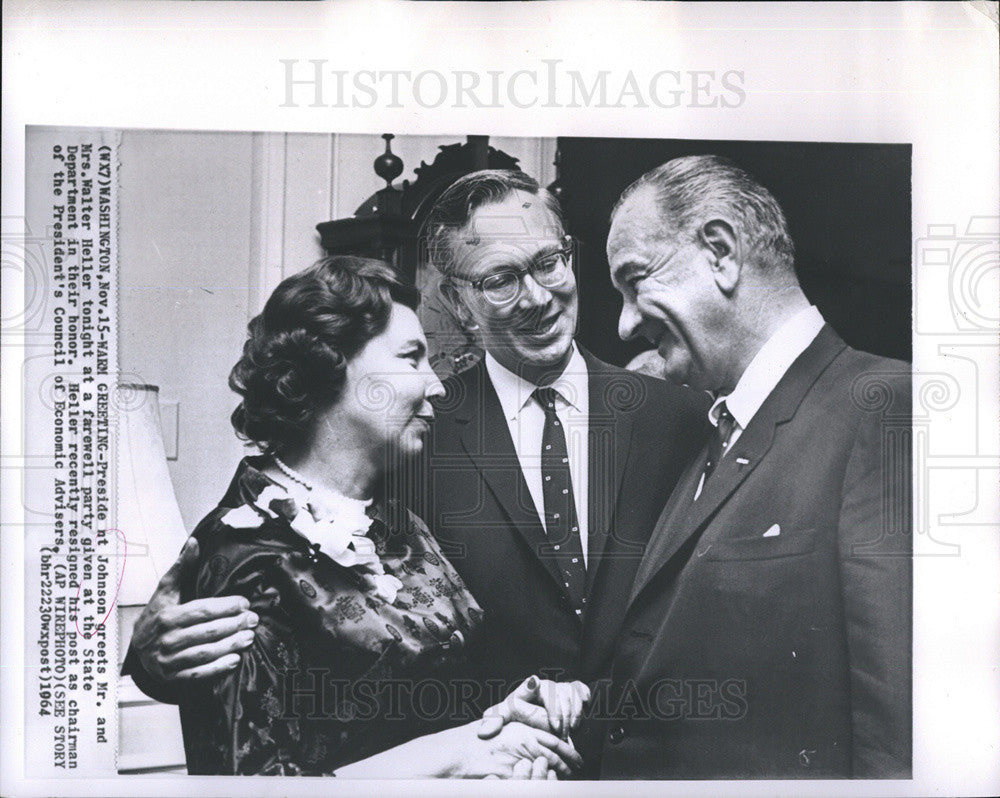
(526, 420)
(767, 368)
(764, 373)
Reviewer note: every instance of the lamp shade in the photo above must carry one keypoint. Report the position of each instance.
(148, 524)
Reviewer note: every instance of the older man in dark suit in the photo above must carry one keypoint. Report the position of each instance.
(768, 632)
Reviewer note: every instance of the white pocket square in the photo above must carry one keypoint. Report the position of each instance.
(773, 532)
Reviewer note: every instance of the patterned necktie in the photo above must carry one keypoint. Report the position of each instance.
(719, 442)
(560, 506)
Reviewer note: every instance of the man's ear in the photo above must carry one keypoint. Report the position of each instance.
(721, 239)
(454, 302)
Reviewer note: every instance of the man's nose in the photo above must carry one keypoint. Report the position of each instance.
(533, 294)
(434, 388)
(628, 321)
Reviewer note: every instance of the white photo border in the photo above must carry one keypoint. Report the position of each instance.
(918, 73)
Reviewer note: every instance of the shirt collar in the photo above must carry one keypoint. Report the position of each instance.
(768, 366)
(515, 392)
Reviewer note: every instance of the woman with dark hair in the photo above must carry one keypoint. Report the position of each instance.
(357, 606)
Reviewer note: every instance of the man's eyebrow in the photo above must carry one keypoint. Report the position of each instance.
(552, 248)
(622, 273)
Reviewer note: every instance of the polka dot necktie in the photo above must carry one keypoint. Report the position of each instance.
(560, 506)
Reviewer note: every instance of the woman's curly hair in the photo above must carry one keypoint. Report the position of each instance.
(297, 350)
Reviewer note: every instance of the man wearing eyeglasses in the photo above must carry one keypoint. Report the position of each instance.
(544, 474)
(548, 467)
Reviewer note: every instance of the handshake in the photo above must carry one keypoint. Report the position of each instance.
(555, 707)
(525, 736)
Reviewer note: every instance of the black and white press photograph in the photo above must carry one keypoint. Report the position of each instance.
(558, 458)
(408, 398)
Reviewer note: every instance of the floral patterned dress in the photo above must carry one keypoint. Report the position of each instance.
(361, 639)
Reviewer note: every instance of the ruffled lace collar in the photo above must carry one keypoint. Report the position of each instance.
(335, 525)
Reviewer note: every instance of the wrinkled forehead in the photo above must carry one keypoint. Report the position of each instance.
(516, 228)
(638, 229)
(519, 214)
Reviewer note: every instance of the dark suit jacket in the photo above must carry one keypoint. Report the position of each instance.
(641, 433)
(745, 655)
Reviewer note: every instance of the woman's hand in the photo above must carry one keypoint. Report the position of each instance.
(518, 751)
(550, 706)
(539, 769)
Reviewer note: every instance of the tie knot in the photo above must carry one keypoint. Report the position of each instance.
(546, 397)
(726, 422)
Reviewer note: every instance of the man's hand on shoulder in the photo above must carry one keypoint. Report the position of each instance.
(197, 640)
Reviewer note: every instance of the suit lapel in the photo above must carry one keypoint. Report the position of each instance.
(666, 537)
(685, 516)
(486, 439)
(609, 432)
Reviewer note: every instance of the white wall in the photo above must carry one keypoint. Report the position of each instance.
(184, 254)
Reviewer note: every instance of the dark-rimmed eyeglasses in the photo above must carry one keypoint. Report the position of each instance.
(503, 286)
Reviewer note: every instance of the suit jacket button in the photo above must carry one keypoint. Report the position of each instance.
(616, 735)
